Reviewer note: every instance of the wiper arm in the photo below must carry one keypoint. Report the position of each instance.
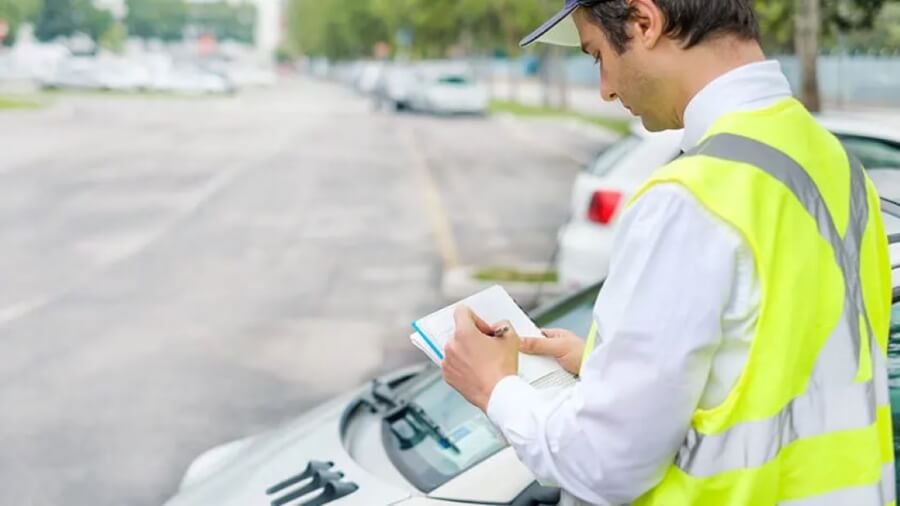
(424, 424)
(416, 418)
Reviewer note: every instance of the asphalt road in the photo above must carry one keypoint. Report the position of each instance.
(178, 273)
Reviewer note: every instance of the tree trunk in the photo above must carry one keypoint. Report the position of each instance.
(562, 79)
(806, 45)
(513, 78)
(546, 72)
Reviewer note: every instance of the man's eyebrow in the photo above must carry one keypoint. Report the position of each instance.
(584, 48)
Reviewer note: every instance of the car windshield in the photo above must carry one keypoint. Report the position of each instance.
(881, 159)
(454, 80)
(610, 158)
(429, 465)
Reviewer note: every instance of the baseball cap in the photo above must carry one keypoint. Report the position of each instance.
(560, 29)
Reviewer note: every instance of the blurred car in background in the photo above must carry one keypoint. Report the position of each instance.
(121, 75)
(395, 86)
(191, 80)
(76, 73)
(448, 92)
(367, 77)
(409, 439)
(602, 190)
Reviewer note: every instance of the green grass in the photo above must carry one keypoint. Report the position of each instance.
(128, 94)
(621, 126)
(7, 102)
(510, 274)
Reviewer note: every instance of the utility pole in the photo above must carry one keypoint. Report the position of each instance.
(806, 45)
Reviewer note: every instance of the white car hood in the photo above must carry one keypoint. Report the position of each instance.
(239, 473)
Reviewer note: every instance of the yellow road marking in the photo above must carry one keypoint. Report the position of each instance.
(434, 206)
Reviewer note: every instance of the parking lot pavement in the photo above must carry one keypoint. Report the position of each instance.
(181, 272)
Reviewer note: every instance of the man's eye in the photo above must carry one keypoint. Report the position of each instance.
(596, 59)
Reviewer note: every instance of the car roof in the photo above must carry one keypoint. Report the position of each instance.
(863, 124)
(873, 125)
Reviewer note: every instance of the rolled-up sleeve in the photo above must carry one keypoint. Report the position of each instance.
(611, 437)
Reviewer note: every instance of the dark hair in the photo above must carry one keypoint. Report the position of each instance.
(690, 21)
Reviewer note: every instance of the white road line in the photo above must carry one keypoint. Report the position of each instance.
(434, 207)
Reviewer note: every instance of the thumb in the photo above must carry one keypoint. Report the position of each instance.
(542, 346)
(465, 318)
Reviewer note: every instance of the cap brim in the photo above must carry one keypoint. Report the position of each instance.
(559, 30)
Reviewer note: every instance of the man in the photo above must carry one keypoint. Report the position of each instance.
(738, 349)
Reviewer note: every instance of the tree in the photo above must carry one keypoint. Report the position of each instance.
(808, 23)
(224, 21)
(156, 19)
(16, 12)
(807, 40)
(114, 37)
(336, 29)
(64, 18)
(57, 19)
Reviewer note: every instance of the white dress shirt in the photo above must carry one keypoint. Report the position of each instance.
(675, 320)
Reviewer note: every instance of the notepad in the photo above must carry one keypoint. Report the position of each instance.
(492, 305)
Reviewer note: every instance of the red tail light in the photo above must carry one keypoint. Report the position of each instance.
(604, 205)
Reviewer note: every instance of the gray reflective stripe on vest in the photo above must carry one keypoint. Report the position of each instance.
(832, 401)
(783, 168)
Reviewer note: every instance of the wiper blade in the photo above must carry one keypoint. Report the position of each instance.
(414, 416)
(418, 414)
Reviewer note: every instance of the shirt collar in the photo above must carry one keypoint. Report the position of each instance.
(752, 86)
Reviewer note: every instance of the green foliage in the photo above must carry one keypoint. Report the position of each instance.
(224, 21)
(19, 103)
(515, 275)
(283, 54)
(114, 37)
(340, 29)
(336, 29)
(62, 18)
(776, 19)
(15, 12)
(620, 126)
(156, 19)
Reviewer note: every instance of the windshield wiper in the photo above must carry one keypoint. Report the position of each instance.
(415, 417)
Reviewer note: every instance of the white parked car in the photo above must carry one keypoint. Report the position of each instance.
(369, 74)
(120, 75)
(191, 80)
(77, 73)
(602, 190)
(448, 93)
(408, 439)
(395, 86)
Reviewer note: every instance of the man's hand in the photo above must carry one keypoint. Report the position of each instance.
(564, 346)
(475, 361)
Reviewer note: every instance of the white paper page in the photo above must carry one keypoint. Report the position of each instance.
(491, 305)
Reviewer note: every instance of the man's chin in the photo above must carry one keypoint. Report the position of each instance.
(653, 125)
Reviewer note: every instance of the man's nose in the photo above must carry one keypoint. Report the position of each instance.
(606, 90)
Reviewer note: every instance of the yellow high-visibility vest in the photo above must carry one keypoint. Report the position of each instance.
(808, 422)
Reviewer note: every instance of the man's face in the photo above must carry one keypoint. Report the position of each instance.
(629, 76)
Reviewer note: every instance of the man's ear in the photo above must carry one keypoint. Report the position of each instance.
(647, 23)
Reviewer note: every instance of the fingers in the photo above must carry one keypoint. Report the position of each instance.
(555, 333)
(503, 329)
(481, 324)
(540, 346)
(467, 321)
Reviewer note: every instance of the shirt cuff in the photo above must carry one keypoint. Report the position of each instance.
(506, 402)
